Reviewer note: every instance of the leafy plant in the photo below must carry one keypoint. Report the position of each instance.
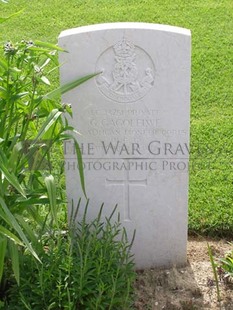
(226, 268)
(31, 123)
(88, 266)
(84, 267)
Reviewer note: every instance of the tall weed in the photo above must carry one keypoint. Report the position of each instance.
(32, 121)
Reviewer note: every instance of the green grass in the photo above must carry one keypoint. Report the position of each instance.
(211, 23)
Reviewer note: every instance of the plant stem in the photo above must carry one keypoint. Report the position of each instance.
(214, 271)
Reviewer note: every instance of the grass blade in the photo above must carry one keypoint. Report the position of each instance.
(80, 165)
(9, 235)
(69, 86)
(14, 256)
(17, 228)
(214, 271)
(51, 188)
(12, 179)
(49, 46)
(3, 63)
(4, 19)
(28, 230)
(3, 245)
(52, 118)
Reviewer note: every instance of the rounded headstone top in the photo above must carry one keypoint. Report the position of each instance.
(125, 25)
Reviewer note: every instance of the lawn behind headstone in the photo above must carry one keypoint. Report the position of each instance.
(211, 24)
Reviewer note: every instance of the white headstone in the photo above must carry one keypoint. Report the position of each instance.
(133, 120)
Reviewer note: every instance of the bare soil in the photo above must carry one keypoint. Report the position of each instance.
(188, 288)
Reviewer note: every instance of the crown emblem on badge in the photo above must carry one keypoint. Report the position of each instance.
(124, 48)
(127, 72)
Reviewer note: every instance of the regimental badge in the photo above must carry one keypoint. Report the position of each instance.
(127, 72)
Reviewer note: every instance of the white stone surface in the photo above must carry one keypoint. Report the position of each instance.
(133, 121)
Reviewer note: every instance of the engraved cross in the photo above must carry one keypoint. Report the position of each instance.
(126, 182)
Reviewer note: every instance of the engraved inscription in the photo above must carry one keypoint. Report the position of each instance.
(121, 121)
(126, 182)
(127, 72)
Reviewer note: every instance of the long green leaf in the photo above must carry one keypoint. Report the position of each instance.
(17, 228)
(12, 179)
(14, 255)
(9, 235)
(51, 119)
(28, 230)
(3, 64)
(51, 188)
(4, 19)
(49, 46)
(14, 155)
(214, 271)
(3, 244)
(35, 200)
(80, 165)
(65, 88)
